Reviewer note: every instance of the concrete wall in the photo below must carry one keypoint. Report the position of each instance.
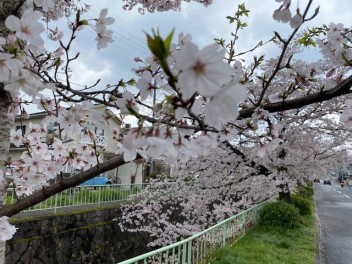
(86, 237)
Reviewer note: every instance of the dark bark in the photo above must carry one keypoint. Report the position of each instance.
(342, 88)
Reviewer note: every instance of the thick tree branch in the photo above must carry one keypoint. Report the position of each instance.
(342, 88)
(262, 169)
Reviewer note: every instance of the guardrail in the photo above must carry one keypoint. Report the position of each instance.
(198, 248)
(84, 195)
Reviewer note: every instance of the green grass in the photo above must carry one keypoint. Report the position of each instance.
(83, 197)
(273, 245)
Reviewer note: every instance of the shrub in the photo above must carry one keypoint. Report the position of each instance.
(302, 204)
(307, 191)
(280, 214)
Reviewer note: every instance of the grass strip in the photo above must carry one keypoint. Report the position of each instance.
(274, 245)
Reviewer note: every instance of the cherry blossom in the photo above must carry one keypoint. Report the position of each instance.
(283, 15)
(7, 65)
(145, 85)
(24, 81)
(223, 107)
(16, 137)
(46, 5)
(103, 21)
(104, 38)
(233, 127)
(129, 147)
(27, 28)
(6, 230)
(202, 71)
(296, 21)
(127, 103)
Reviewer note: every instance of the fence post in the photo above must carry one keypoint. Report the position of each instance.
(99, 193)
(189, 252)
(224, 227)
(55, 207)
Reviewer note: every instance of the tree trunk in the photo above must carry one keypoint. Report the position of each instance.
(285, 194)
(7, 7)
(6, 124)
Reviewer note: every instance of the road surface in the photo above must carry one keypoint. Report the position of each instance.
(334, 208)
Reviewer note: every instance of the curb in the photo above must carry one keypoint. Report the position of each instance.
(318, 259)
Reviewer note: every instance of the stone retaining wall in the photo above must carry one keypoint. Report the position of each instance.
(80, 237)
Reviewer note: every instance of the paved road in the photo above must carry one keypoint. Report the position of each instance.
(334, 208)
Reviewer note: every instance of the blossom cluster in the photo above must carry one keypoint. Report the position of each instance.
(212, 114)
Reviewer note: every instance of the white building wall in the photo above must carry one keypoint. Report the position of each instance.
(126, 171)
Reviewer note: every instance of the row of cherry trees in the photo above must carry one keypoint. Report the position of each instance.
(235, 130)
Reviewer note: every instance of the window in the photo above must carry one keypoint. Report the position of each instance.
(23, 128)
(99, 131)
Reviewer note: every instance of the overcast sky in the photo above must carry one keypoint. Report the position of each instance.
(204, 24)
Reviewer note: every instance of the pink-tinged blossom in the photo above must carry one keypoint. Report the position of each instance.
(51, 170)
(103, 21)
(27, 28)
(16, 137)
(202, 71)
(129, 147)
(6, 229)
(145, 85)
(127, 103)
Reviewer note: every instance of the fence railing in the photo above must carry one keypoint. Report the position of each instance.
(198, 248)
(84, 195)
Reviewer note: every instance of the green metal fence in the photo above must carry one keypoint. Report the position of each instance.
(198, 248)
(84, 195)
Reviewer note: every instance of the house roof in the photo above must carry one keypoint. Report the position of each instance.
(43, 114)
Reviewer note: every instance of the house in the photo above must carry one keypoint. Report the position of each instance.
(126, 174)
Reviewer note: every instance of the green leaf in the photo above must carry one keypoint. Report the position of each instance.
(160, 47)
(167, 41)
(84, 22)
(131, 82)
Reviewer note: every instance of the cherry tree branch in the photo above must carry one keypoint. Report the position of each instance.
(48, 191)
(342, 88)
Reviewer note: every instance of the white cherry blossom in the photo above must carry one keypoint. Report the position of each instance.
(296, 21)
(46, 5)
(202, 71)
(223, 107)
(7, 65)
(104, 38)
(6, 229)
(145, 85)
(103, 21)
(16, 137)
(27, 28)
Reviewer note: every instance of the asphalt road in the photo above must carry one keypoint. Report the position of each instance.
(334, 208)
